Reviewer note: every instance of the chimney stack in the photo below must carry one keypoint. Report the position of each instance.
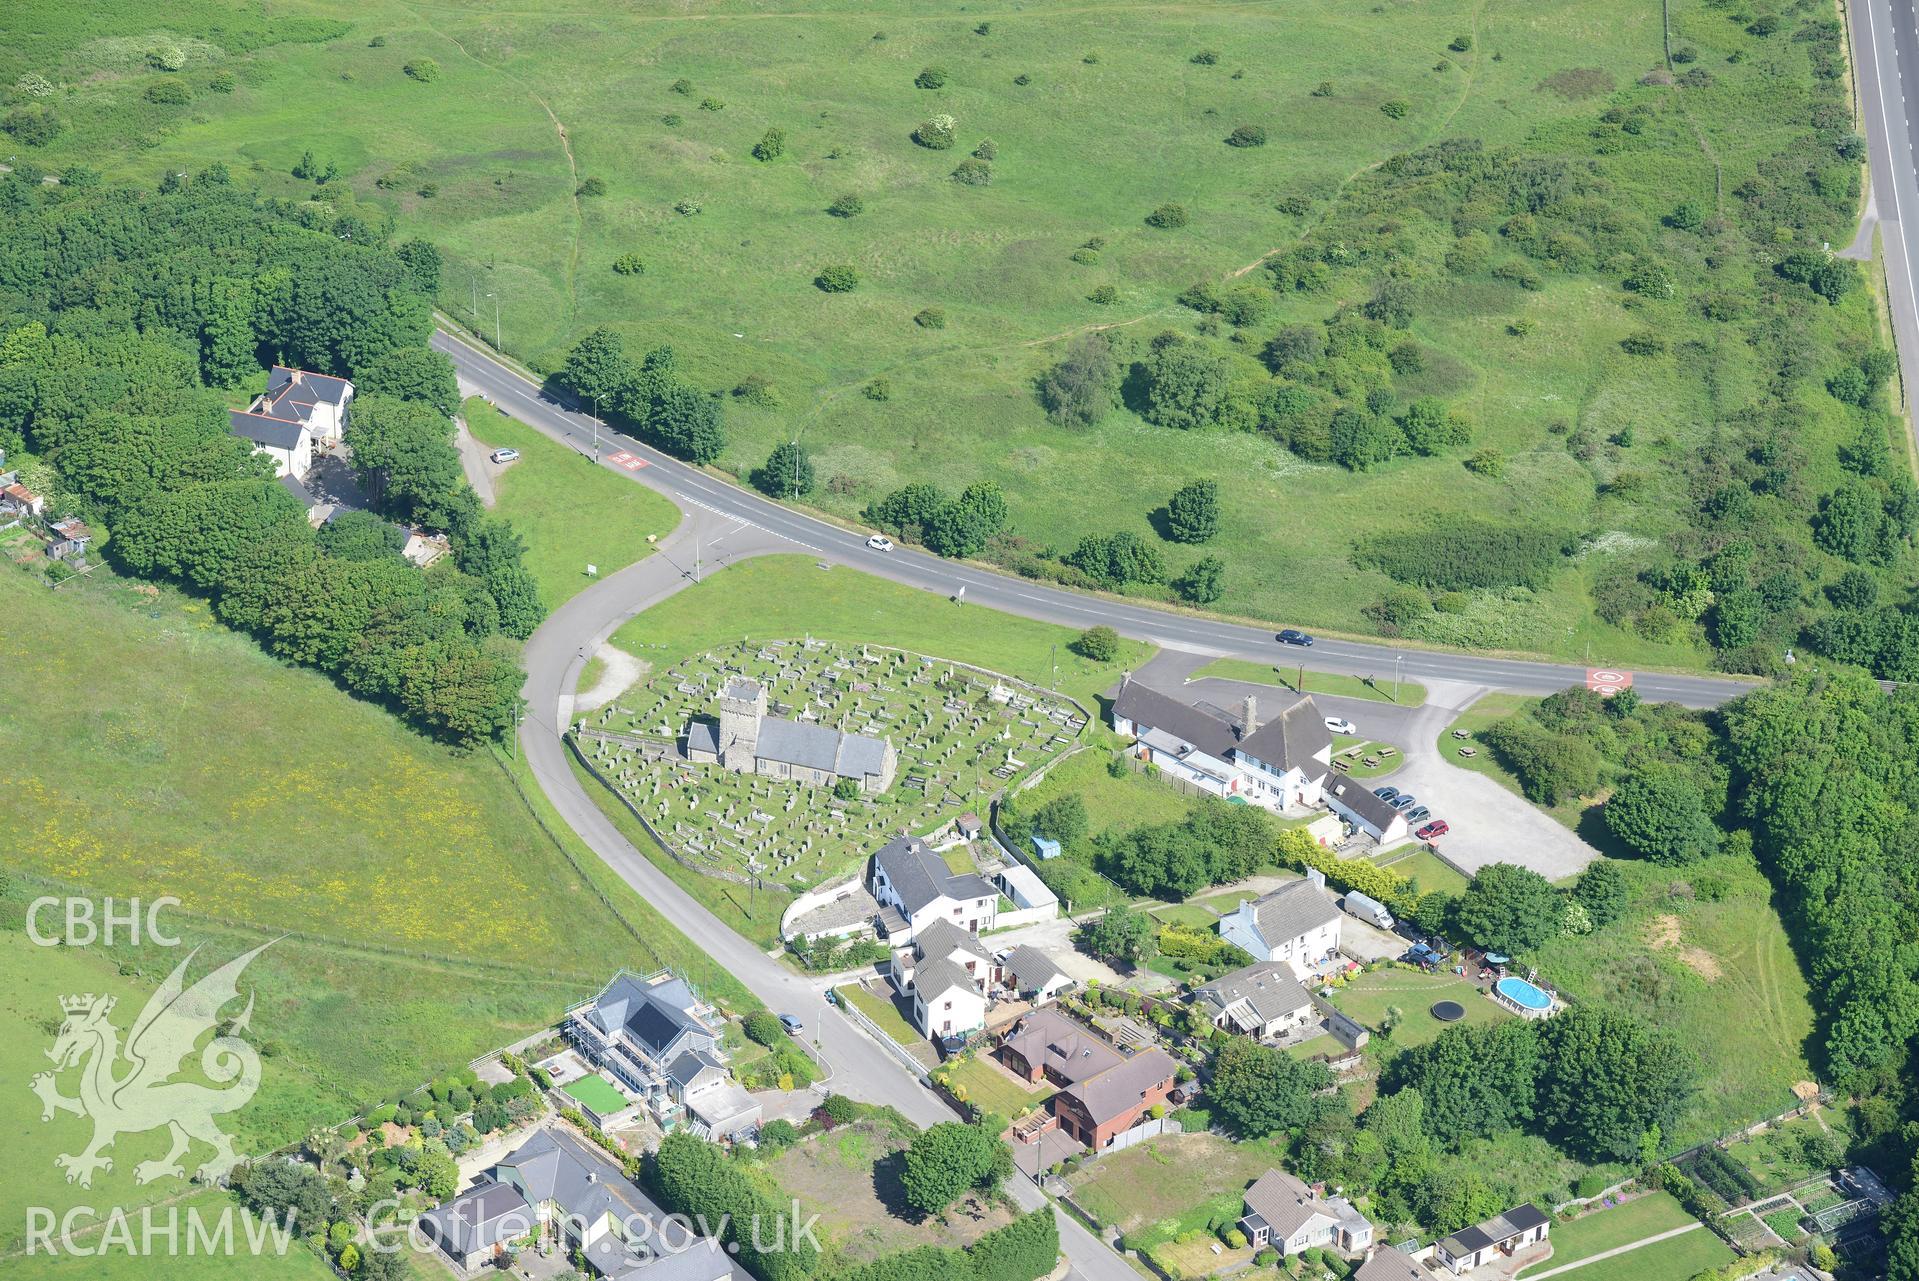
(1251, 716)
(294, 375)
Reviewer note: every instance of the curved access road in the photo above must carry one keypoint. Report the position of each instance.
(696, 491)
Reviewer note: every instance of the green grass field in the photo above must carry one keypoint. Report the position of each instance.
(1302, 681)
(780, 597)
(1602, 1230)
(1721, 975)
(299, 1262)
(422, 915)
(1098, 113)
(570, 512)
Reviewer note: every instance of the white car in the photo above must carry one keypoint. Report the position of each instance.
(1339, 726)
(504, 456)
(880, 543)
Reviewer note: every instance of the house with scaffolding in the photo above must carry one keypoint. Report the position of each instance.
(662, 1044)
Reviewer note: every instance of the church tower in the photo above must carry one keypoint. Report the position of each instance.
(742, 706)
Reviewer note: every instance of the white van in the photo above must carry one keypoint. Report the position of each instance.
(1368, 910)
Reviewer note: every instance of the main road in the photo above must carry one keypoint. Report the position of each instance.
(1885, 49)
(695, 490)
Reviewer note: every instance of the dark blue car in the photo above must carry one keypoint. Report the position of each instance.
(1293, 636)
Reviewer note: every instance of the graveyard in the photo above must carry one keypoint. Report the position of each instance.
(961, 733)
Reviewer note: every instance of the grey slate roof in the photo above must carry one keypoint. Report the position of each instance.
(1294, 738)
(297, 487)
(798, 743)
(920, 876)
(657, 1016)
(686, 1069)
(1292, 910)
(703, 736)
(485, 1215)
(554, 1166)
(1074, 1052)
(938, 974)
(1267, 986)
(290, 399)
(1357, 797)
(279, 433)
(1390, 1265)
(943, 938)
(1032, 969)
(744, 688)
(1501, 1227)
(703, 1260)
(1284, 1204)
(860, 756)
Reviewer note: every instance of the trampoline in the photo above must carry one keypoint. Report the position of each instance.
(1448, 1011)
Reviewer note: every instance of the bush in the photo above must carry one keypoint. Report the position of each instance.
(930, 318)
(630, 265)
(1395, 110)
(169, 93)
(877, 389)
(987, 150)
(847, 206)
(1101, 644)
(1168, 217)
(1246, 136)
(592, 187)
(763, 1028)
(930, 78)
(788, 472)
(936, 133)
(973, 173)
(34, 125)
(1104, 295)
(1192, 513)
(1461, 44)
(771, 146)
(837, 279)
(712, 104)
(1463, 554)
(424, 70)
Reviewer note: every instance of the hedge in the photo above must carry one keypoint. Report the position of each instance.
(1023, 1250)
(1381, 883)
(693, 1177)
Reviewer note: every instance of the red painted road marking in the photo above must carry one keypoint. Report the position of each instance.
(1606, 682)
(632, 462)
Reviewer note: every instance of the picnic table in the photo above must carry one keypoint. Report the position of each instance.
(1468, 751)
(1461, 733)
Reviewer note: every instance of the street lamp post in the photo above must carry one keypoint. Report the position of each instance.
(1397, 659)
(596, 429)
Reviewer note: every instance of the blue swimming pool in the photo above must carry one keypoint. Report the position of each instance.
(1528, 998)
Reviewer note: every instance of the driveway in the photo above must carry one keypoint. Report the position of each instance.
(1489, 823)
(479, 469)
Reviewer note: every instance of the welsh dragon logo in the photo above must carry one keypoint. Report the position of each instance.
(131, 1090)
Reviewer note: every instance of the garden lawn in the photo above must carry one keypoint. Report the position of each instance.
(992, 1089)
(570, 512)
(884, 1013)
(1603, 1230)
(597, 1093)
(1679, 1258)
(1307, 681)
(1368, 996)
(1159, 1189)
(415, 908)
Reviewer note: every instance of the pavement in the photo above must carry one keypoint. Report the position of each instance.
(789, 530)
(1885, 50)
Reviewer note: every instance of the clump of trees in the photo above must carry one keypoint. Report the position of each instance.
(947, 1160)
(692, 1177)
(120, 408)
(1192, 513)
(957, 527)
(647, 396)
(1083, 387)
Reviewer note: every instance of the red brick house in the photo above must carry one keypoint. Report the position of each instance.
(1048, 1045)
(1100, 1108)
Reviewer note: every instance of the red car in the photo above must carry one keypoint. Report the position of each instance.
(1433, 830)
